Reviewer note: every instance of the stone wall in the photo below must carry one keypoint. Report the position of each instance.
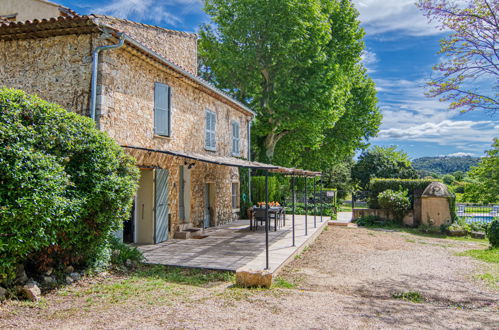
(384, 215)
(28, 9)
(179, 47)
(127, 90)
(201, 173)
(58, 69)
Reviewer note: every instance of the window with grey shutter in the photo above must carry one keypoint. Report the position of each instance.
(162, 109)
(210, 134)
(235, 138)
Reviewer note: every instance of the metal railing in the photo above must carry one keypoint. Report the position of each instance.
(471, 213)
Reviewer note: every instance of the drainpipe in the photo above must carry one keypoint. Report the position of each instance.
(249, 159)
(95, 68)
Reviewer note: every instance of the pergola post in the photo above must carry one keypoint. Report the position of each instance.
(266, 219)
(322, 198)
(306, 208)
(315, 204)
(293, 201)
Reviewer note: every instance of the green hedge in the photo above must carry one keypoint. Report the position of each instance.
(414, 187)
(258, 189)
(65, 185)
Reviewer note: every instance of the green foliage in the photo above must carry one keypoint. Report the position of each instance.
(258, 189)
(493, 233)
(65, 186)
(414, 187)
(339, 177)
(380, 162)
(121, 252)
(448, 179)
(327, 209)
(412, 296)
(368, 221)
(397, 202)
(484, 185)
(446, 165)
(298, 64)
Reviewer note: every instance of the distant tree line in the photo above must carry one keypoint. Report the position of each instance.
(427, 166)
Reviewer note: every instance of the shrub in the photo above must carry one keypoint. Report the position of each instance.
(122, 252)
(258, 189)
(414, 187)
(493, 233)
(65, 185)
(368, 220)
(397, 202)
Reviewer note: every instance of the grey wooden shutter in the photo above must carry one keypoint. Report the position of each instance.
(235, 138)
(162, 113)
(210, 141)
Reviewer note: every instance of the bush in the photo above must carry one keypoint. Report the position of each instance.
(258, 189)
(122, 252)
(65, 185)
(368, 220)
(397, 202)
(493, 233)
(414, 187)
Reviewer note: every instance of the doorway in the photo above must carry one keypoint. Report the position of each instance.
(209, 205)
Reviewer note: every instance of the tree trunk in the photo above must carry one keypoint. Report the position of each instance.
(270, 143)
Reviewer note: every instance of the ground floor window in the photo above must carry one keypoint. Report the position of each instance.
(235, 195)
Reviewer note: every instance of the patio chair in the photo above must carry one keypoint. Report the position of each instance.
(260, 215)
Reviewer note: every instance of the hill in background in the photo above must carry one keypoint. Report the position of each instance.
(444, 165)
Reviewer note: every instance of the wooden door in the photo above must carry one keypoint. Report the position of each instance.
(161, 206)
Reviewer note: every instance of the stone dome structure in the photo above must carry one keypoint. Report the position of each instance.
(436, 189)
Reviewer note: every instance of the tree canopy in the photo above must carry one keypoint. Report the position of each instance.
(485, 178)
(382, 162)
(469, 73)
(297, 64)
(445, 165)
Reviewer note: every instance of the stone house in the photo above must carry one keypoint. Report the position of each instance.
(139, 83)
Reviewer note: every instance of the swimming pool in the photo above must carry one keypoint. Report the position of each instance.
(479, 218)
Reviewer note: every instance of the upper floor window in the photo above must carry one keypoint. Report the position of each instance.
(162, 109)
(210, 142)
(235, 138)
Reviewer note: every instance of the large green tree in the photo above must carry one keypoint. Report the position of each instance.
(484, 186)
(382, 162)
(297, 63)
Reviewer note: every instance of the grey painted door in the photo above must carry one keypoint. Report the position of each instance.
(207, 217)
(161, 202)
(181, 193)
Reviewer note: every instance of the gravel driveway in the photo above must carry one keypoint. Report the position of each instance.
(347, 279)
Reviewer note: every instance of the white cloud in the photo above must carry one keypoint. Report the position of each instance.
(156, 11)
(409, 116)
(380, 16)
(369, 59)
(460, 154)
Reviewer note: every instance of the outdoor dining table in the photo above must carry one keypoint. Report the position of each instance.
(275, 212)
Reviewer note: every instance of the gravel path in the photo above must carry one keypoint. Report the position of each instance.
(345, 280)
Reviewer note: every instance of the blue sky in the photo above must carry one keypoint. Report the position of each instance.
(401, 49)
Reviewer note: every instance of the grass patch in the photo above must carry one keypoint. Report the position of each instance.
(188, 276)
(412, 296)
(489, 255)
(492, 280)
(281, 283)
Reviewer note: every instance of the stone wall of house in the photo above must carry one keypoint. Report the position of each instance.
(127, 114)
(201, 173)
(177, 46)
(58, 69)
(28, 9)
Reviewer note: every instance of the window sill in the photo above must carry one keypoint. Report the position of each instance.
(210, 149)
(236, 210)
(156, 136)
